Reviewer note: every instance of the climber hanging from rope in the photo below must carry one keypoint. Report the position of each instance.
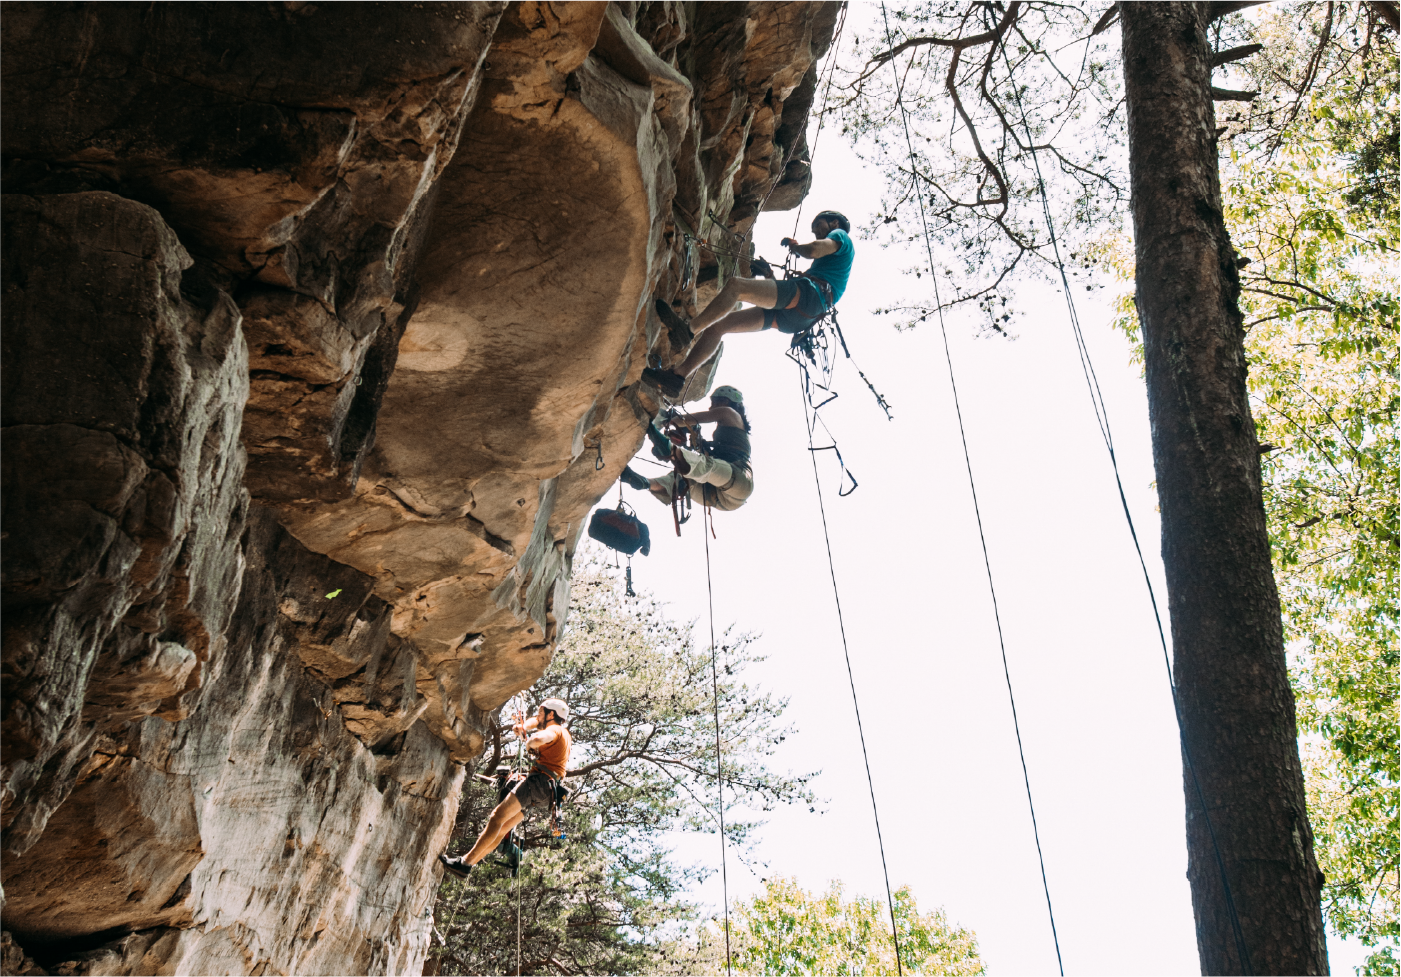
(551, 743)
(790, 305)
(720, 476)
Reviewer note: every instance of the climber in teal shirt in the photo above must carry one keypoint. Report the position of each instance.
(789, 306)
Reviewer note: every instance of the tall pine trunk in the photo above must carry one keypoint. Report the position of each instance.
(1237, 708)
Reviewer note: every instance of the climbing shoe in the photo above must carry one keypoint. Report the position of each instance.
(633, 480)
(678, 330)
(662, 445)
(455, 866)
(670, 384)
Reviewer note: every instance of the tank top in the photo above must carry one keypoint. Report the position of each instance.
(554, 755)
(731, 444)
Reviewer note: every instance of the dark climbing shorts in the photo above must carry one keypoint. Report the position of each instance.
(809, 308)
(536, 790)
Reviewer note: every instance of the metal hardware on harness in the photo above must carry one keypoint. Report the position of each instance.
(680, 492)
(681, 502)
(812, 344)
(845, 472)
(688, 262)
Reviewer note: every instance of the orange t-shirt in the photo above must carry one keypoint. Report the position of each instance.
(554, 754)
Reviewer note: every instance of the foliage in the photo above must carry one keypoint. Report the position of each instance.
(787, 930)
(608, 900)
(1002, 99)
(984, 84)
(1309, 191)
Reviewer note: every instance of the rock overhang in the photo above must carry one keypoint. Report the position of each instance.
(438, 229)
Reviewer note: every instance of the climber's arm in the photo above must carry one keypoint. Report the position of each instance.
(724, 416)
(813, 249)
(543, 738)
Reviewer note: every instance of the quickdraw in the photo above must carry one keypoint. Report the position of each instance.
(680, 488)
(686, 436)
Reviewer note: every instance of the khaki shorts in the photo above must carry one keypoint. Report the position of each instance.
(536, 790)
(712, 482)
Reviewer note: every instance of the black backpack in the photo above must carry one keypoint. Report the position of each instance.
(620, 530)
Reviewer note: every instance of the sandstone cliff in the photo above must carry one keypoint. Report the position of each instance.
(318, 319)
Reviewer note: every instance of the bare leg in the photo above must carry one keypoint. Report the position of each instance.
(762, 292)
(506, 816)
(745, 320)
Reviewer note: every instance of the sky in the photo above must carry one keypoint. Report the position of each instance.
(1083, 653)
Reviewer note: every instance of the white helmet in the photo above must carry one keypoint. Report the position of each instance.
(557, 707)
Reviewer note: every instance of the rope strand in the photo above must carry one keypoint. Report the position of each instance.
(851, 679)
(1102, 419)
(987, 562)
(715, 706)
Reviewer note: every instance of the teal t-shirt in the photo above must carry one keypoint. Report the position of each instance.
(835, 268)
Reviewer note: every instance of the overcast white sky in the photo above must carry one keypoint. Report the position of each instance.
(1086, 667)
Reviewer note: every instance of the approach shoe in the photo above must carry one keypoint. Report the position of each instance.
(678, 330)
(455, 866)
(631, 479)
(662, 446)
(669, 383)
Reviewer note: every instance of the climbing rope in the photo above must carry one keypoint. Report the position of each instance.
(851, 679)
(1102, 419)
(708, 517)
(519, 699)
(518, 702)
(968, 463)
(822, 113)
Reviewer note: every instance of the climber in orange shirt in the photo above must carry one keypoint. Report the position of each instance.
(551, 746)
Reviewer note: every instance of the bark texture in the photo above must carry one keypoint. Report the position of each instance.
(1237, 708)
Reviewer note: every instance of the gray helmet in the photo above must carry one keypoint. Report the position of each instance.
(557, 707)
(731, 394)
(835, 217)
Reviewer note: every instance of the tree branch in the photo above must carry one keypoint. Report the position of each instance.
(1221, 8)
(957, 43)
(1235, 54)
(1106, 20)
(1388, 11)
(1229, 95)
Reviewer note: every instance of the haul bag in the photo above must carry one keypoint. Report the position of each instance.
(620, 531)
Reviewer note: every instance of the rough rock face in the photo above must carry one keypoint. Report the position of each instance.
(317, 321)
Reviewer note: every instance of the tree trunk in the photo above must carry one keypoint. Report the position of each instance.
(1235, 703)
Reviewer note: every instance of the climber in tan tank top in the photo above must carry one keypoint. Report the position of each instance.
(551, 745)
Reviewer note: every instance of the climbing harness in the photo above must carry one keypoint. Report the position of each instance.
(1102, 420)
(683, 437)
